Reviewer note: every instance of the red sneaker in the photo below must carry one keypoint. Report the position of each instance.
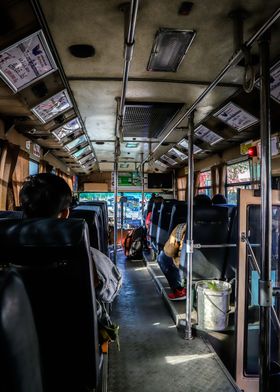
(178, 295)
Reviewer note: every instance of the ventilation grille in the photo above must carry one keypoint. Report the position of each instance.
(148, 120)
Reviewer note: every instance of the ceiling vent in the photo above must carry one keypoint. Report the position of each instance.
(144, 119)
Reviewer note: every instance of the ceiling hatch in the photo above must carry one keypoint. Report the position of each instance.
(148, 119)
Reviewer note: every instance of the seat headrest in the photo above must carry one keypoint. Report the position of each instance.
(85, 207)
(210, 214)
(42, 237)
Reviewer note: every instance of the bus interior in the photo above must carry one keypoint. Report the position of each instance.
(127, 102)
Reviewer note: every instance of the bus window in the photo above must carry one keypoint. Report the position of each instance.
(33, 168)
(132, 208)
(238, 176)
(204, 183)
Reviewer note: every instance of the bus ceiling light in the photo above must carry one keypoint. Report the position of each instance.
(169, 48)
(132, 145)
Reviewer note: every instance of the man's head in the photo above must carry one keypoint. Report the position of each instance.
(45, 195)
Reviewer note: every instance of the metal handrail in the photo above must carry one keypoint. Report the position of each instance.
(257, 268)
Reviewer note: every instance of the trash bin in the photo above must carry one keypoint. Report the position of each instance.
(213, 304)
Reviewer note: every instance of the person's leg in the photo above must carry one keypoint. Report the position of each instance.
(170, 271)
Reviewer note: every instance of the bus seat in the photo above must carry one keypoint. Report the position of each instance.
(102, 205)
(53, 258)
(102, 230)
(19, 349)
(178, 215)
(163, 223)
(95, 231)
(210, 227)
(11, 214)
(154, 223)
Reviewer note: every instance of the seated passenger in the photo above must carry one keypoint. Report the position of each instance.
(219, 199)
(46, 195)
(169, 258)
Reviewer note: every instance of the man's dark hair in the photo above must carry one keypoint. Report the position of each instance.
(219, 199)
(44, 195)
(202, 200)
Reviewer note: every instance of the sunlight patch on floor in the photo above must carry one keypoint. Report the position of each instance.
(178, 359)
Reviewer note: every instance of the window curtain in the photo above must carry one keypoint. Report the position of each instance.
(221, 169)
(8, 160)
(66, 178)
(43, 166)
(182, 187)
(20, 173)
(214, 181)
(196, 181)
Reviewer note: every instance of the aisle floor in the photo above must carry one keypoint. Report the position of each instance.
(153, 355)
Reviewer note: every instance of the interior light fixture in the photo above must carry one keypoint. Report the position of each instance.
(169, 48)
(207, 135)
(131, 145)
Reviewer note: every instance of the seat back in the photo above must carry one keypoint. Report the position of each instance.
(53, 258)
(105, 219)
(99, 213)
(163, 223)
(232, 252)
(154, 223)
(92, 219)
(210, 227)
(19, 349)
(178, 215)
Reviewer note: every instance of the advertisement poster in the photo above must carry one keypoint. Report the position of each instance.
(207, 135)
(67, 129)
(26, 61)
(53, 106)
(235, 117)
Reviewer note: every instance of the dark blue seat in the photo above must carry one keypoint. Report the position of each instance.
(53, 258)
(164, 223)
(210, 227)
(93, 222)
(105, 219)
(19, 349)
(154, 224)
(11, 214)
(178, 215)
(99, 213)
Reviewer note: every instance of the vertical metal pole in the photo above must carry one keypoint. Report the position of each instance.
(265, 290)
(189, 241)
(143, 185)
(174, 183)
(115, 210)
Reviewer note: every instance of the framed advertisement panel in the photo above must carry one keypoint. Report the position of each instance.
(26, 62)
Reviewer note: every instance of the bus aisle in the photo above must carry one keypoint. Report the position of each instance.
(153, 356)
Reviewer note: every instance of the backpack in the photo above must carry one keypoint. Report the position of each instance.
(133, 244)
(109, 277)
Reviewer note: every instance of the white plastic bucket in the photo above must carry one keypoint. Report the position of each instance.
(213, 304)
